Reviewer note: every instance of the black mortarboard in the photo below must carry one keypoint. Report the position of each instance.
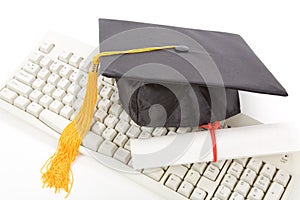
(194, 84)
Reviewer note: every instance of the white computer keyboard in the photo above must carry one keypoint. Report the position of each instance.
(47, 91)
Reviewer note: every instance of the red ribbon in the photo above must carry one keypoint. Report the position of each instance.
(212, 127)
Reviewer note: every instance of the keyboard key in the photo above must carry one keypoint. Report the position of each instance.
(223, 192)
(255, 194)
(43, 74)
(242, 187)
(56, 106)
(21, 102)
(111, 121)
(55, 67)
(127, 145)
(122, 155)
(133, 132)
(109, 80)
(106, 92)
(173, 182)
(268, 171)
(219, 163)
(38, 84)
(211, 172)
(115, 109)
(185, 189)
(19, 87)
(248, 176)
(31, 68)
(34, 109)
(75, 61)
(104, 104)
(36, 58)
(198, 194)
(25, 77)
(109, 133)
(156, 174)
(35, 96)
(235, 169)
(45, 101)
(255, 164)
(107, 148)
(76, 76)
(65, 56)
(46, 62)
(92, 141)
(229, 181)
(125, 116)
(98, 128)
(145, 135)
(282, 177)
(122, 127)
(53, 79)
(275, 191)
(183, 130)
(66, 112)
(69, 99)
(63, 84)
(65, 72)
(148, 129)
(178, 170)
(159, 131)
(262, 183)
(49, 89)
(58, 94)
(115, 97)
(192, 177)
(236, 196)
(199, 167)
(120, 139)
(100, 115)
(53, 120)
(8, 95)
(74, 89)
(83, 81)
(46, 47)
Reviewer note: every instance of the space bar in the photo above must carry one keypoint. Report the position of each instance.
(53, 120)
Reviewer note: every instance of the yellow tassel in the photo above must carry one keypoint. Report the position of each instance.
(56, 172)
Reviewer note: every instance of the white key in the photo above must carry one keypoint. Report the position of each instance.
(268, 171)
(53, 79)
(155, 174)
(236, 196)
(133, 132)
(8, 95)
(178, 170)
(49, 89)
(183, 130)
(107, 148)
(55, 67)
(125, 116)
(100, 115)
(63, 84)
(173, 182)
(122, 155)
(122, 126)
(45, 101)
(127, 145)
(198, 194)
(236, 169)
(109, 80)
(66, 112)
(229, 181)
(223, 192)
(83, 81)
(111, 121)
(35, 96)
(74, 89)
(81, 93)
(104, 104)
(242, 187)
(159, 131)
(199, 167)
(58, 94)
(34, 109)
(109, 134)
(148, 129)
(21, 102)
(46, 47)
(255, 164)
(120, 139)
(248, 176)
(255, 194)
(69, 99)
(262, 183)
(77, 104)
(192, 177)
(115, 109)
(185, 189)
(25, 77)
(275, 191)
(211, 172)
(219, 163)
(31, 68)
(282, 177)
(56, 106)
(65, 56)
(19, 87)
(38, 84)
(106, 92)
(145, 135)
(75, 61)
(115, 97)
(65, 72)
(53, 120)
(43, 74)
(98, 128)
(36, 58)
(46, 62)
(92, 141)
(76, 76)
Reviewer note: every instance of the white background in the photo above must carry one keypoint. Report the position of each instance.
(271, 28)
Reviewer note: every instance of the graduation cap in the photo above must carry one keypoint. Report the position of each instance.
(166, 76)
